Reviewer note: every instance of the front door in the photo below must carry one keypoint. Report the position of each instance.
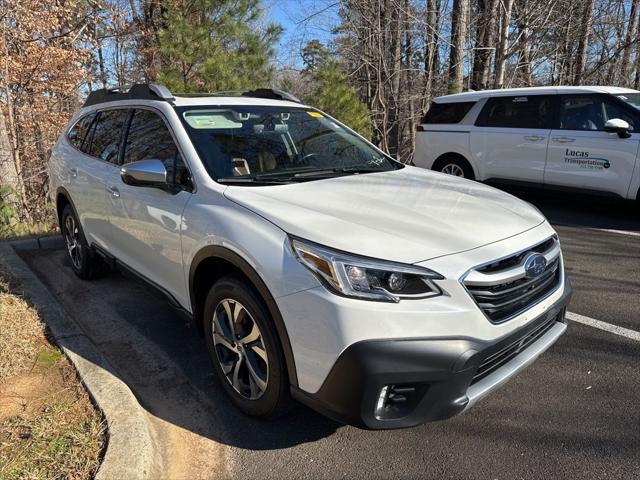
(146, 222)
(582, 155)
(510, 137)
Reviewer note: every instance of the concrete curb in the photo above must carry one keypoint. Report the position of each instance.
(131, 452)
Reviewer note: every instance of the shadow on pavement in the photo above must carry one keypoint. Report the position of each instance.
(575, 209)
(164, 362)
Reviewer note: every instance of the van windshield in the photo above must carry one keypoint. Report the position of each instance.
(632, 99)
(258, 144)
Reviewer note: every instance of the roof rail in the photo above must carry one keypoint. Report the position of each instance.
(270, 93)
(137, 91)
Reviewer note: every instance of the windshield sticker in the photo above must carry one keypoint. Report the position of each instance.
(315, 114)
(209, 120)
(582, 160)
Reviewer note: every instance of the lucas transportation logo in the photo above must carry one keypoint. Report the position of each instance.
(581, 159)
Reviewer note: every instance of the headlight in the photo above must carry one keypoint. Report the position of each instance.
(365, 278)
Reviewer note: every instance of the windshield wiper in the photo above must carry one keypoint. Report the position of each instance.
(329, 172)
(257, 180)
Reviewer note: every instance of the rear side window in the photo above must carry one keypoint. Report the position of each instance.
(105, 141)
(78, 132)
(149, 138)
(517, 112)
(447, 112)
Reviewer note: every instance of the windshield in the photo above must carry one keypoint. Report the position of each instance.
(245, 144)
(632, 99)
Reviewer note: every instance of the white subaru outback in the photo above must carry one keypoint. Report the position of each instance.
(316, 266)
(569, 138)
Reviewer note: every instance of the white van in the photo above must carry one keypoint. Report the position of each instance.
(583, 138)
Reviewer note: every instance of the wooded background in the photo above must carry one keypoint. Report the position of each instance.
(377, 70)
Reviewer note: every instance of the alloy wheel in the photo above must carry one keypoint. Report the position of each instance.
(72, 239)
(453, 169)
(240, 349)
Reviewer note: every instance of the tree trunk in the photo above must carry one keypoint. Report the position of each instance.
(583, 43)
(484, 44)
(431, 50)
(629, 38)
(459, 22)
(503, 44)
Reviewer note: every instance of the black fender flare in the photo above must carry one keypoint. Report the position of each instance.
(223, 253)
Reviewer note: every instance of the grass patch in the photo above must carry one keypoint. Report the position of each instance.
(48, 426)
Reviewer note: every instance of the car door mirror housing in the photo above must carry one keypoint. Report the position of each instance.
(619, 126)
(145, 173)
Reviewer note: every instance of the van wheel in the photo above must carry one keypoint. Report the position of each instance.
(83, 261)
(244, 348)
(454, 165)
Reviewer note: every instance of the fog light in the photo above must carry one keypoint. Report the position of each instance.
(397, 401)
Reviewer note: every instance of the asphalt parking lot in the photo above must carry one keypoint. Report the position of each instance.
(575, 413)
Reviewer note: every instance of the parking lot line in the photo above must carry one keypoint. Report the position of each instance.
(608, 327)
(620, 232)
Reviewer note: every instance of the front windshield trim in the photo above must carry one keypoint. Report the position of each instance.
(344, 148)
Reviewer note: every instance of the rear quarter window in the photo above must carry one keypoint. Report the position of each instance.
(447, 112)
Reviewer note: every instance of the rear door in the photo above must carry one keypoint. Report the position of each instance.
(98, 163)
(582, 155)
(510, 137)
(146, 222)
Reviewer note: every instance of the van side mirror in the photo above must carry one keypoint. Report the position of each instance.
(619, 126)
(145, 173)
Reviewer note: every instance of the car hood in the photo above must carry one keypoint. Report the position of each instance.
(407, 215)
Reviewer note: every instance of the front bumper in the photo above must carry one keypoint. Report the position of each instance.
(428, 379)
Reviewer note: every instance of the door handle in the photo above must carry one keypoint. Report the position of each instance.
(114, 192)
(73, 172)
(563, 139)
(533, 138)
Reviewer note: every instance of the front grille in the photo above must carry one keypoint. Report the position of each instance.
(502, 288)
(496, 360)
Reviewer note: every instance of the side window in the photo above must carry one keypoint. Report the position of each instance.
(534, 111)
(78, 132)
(105, 141)
(150, 139)
(447, 112)
(582, 112)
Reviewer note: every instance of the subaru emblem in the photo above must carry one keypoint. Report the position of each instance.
(534, 265)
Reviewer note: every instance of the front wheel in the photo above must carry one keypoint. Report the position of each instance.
(245, 349)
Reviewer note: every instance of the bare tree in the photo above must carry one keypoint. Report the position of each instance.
(583, 42)
(459, 23)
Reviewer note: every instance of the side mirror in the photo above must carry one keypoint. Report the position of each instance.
(619, 126)
(145, 173)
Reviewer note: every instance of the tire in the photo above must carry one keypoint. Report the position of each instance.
(454, 165)
(84, 262)
(260, 388)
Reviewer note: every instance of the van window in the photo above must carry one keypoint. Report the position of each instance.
(533, 111)
(447, 112)
(105, 142)
(590, 112)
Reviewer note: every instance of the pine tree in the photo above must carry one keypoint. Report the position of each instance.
(210, 45)
(332, 92)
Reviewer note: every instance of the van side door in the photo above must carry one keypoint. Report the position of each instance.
(582, 155)
(510, 137)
